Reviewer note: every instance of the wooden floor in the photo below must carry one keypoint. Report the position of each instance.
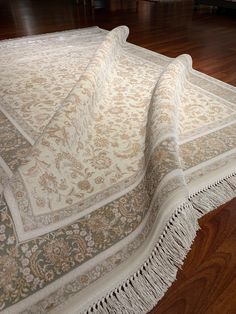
(207, 283)
(171, 28)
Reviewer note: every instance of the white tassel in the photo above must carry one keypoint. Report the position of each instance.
(140, 293)
(215, 195)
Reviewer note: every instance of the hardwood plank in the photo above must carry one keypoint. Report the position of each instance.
(207, 283)
(170, 28)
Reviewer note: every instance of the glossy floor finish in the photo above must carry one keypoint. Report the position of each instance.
(170, 28)
(207, 283)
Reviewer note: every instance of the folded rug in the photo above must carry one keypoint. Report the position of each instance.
(109, 155)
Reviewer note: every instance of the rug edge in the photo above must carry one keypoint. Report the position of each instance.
(146, 286)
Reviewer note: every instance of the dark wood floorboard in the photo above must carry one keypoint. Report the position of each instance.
(207, 283)
(168, 28)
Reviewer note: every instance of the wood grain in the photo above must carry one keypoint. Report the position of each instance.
(207, 283)
(170, 28)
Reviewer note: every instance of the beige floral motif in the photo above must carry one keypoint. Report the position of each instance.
(99, 180)
(116, 110)
(101, 161)
(101, 142)
(84, 185)
(40, 202)
(56, 251)
(131, 151)
(49, 275)
(48, 182)
(8, 273)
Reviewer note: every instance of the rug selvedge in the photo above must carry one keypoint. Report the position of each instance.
(38, 262)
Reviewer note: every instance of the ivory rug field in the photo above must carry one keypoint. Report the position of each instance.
(109, 154)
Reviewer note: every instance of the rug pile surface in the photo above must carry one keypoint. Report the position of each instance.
(109, 155)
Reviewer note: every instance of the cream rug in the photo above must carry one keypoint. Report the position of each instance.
(109, 155)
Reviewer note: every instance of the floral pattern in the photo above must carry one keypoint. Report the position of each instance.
(133, 132)
(80, 143)
(32, 94)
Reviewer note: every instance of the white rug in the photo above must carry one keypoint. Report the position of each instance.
(109, 155)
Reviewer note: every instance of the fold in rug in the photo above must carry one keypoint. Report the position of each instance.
(103, 208)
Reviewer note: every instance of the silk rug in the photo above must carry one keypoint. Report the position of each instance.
(110, 154)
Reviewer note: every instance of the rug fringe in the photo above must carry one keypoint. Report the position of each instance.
(214, 195)
(141, 292)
